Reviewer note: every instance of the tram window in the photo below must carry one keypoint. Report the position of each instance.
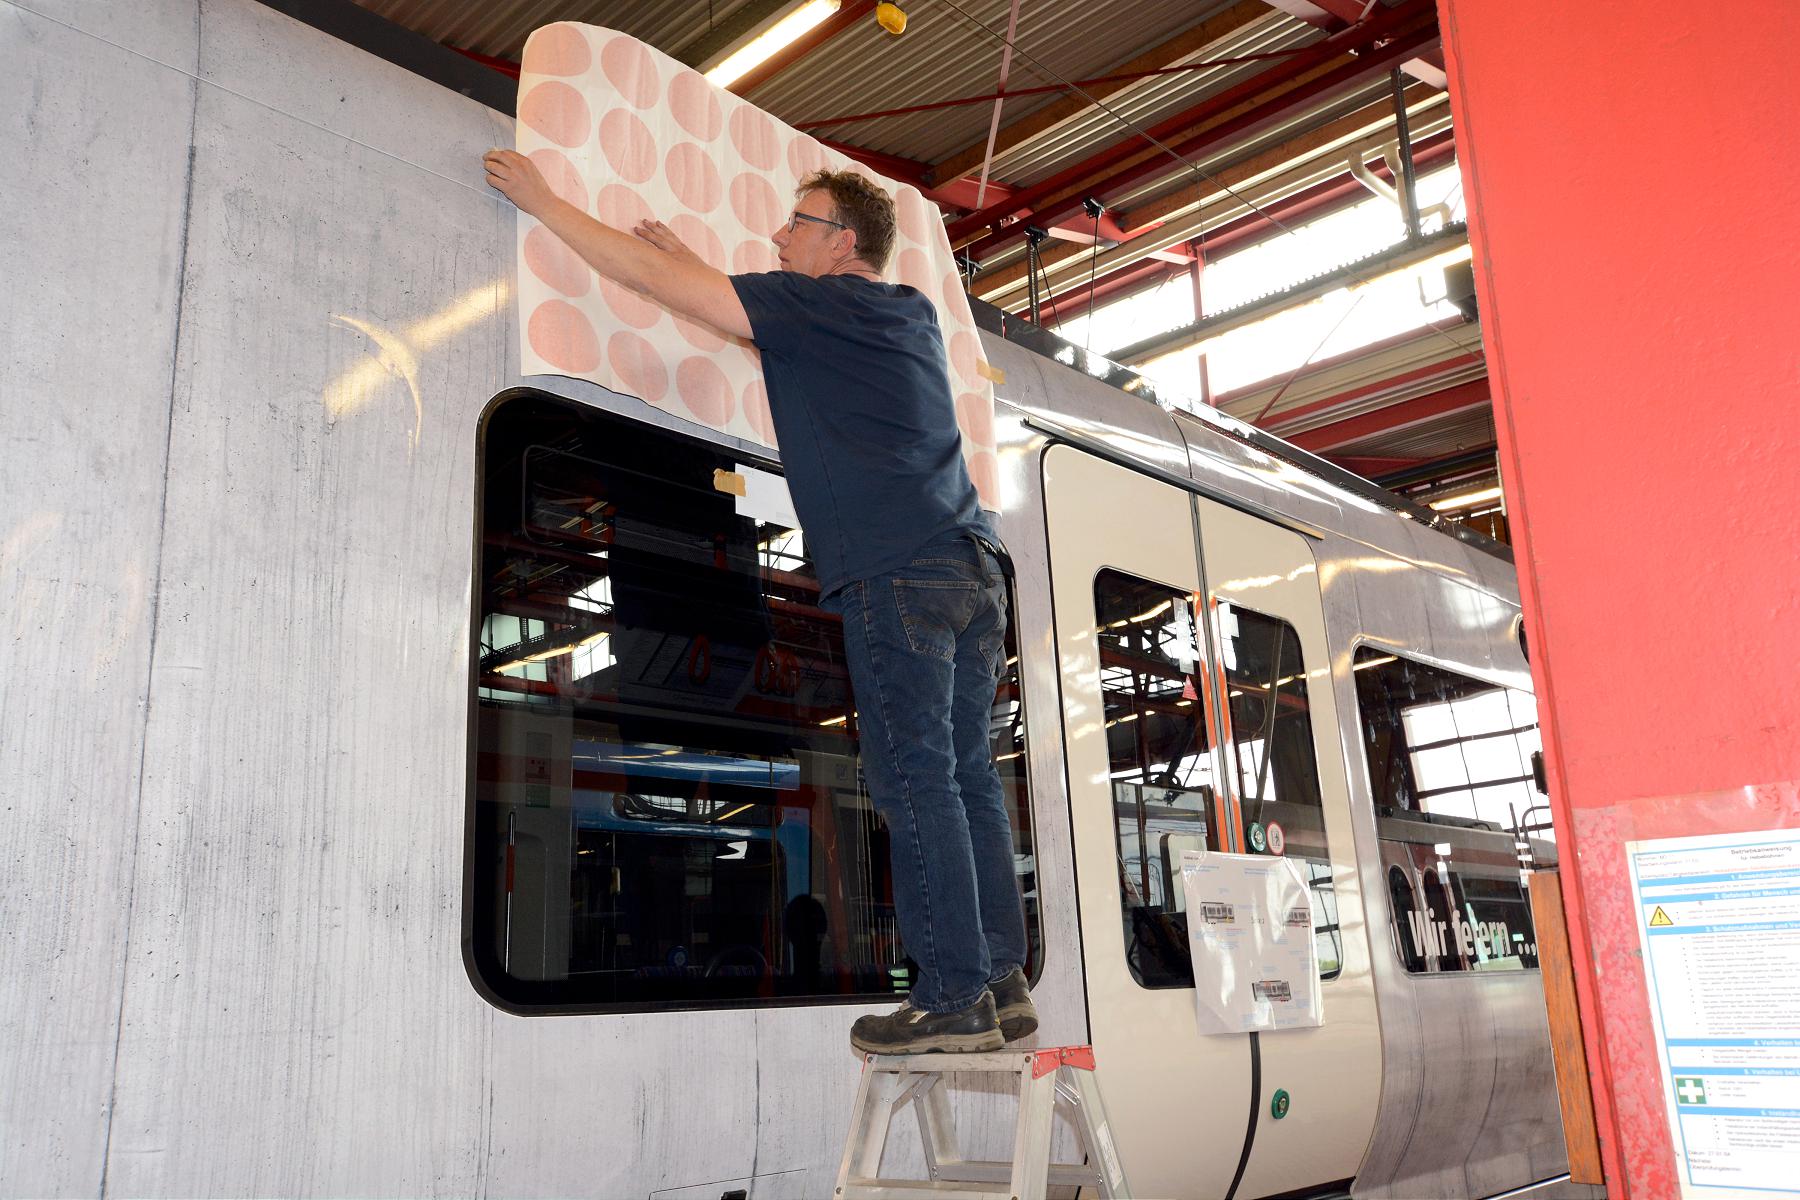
(665, 804)
(1161, 762)
(1272, 761)
(1460, 822)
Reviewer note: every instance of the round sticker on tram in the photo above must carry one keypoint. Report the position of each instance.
(1258, 841)
(1278, 1107)
(1277, 838)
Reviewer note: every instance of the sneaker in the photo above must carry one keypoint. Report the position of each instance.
(1012, 1002)
(908, 1030)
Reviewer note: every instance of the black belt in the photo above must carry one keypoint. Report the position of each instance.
(998, 552)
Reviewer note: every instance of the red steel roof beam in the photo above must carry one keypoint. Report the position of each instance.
(1316, 201)
(1094, 170)
(1064, 198)
(1460, 398)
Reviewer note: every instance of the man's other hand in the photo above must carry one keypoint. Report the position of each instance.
(518, 179)
(664, 239)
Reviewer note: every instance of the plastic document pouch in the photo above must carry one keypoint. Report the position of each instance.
(1250, 930)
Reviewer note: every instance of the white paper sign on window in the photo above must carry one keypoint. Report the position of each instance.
(1250, 929)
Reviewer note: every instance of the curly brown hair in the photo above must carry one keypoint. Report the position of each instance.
(858, 203)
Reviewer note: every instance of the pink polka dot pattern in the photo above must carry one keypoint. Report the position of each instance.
(555, 263)
(756, 204)
(705, 390)
(628, 146)
(698, 236)
(911, 267)
(984, 473)
(561, 175)
(953, 287)
(976, 415)
(753, 133)
(558, 50)
(698, 335)
(621, 207)
(633, 308)
(695, 107)
(909, 214)
(639, 367)
(756, 411)
(804, 156)
(623, 131)
(691, 173)
(557, 111)
(629, 68)
(749, 258)
(965, 354)
(563, 337)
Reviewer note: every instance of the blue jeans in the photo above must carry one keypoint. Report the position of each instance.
(925, 645)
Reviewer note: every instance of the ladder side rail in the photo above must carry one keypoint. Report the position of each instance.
(1031, 1141)
(876, 1098)
(1096, 1132)
(937, 1131)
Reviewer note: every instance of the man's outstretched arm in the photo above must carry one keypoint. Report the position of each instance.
(653, 262)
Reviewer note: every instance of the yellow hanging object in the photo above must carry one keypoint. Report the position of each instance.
(891, 17)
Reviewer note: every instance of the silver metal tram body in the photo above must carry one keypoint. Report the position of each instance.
(257, 302)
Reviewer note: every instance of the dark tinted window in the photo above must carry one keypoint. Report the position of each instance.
(1272, 759)
(666, 805)
(1460, 821)
(1161, 764)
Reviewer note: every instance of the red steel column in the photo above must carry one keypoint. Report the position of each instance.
(1629, 171)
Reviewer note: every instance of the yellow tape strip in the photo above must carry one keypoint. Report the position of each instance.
(991, 373)
(728, 481)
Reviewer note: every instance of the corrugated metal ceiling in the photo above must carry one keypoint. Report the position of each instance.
(499, 29)
(952, 49)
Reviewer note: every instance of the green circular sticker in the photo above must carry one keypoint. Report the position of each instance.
(1258, 840)
(1278, 1107)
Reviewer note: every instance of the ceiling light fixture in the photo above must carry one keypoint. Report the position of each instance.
(1466, 499)
(771, 41)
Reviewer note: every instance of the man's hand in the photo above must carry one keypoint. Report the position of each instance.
(655, 262)
(664, 239)
(518, 179)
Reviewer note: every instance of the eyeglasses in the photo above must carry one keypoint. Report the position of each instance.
(795, 218)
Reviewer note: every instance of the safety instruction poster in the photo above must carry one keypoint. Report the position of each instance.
(1719, 918)
(1250, 929)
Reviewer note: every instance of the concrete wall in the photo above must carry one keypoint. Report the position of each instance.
(1627, 169)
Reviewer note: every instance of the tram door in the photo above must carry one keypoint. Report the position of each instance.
(1197, 715)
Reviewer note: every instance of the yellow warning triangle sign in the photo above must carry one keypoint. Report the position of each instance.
(1659, 917)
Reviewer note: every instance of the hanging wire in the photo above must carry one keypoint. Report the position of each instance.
(1046, 72)
(1295, 374)
(1093, 267)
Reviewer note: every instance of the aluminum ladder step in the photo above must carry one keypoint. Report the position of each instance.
(1061, 1077)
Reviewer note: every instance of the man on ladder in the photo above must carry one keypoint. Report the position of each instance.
(860, 394)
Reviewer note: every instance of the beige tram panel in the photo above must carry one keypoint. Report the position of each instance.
(1333, 1072)
(1178, 1099)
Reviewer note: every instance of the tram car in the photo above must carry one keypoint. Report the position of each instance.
(424, 780)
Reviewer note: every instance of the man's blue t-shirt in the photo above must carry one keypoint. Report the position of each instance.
(860, 393)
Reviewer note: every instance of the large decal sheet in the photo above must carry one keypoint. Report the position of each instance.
(626, 133)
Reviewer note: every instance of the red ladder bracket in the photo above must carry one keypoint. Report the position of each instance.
(1045, 1061)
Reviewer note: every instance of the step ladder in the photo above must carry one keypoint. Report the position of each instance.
(1045, 1080)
